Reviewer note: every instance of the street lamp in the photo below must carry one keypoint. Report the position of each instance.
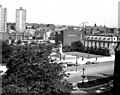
(84, 26)
(83, 76)
(76, 62)
(116, 81)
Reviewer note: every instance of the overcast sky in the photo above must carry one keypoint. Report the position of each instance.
(65, 12)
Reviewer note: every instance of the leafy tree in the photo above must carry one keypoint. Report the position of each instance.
(12, 41)
(31, 72)
(95, 50)
(6, 51)
(106, 52)
(19, 42)
(12, 26)
(100, 51)
(95, 25)
(91, 50)
(77, 46)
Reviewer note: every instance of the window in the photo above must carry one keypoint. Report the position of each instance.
(88, 38)
(103, 44)
(58, 32)
(92, 38)
(104, 39)
(108, 38)
(100, 38)
(91, 43)
(99, 44)
(95, 38)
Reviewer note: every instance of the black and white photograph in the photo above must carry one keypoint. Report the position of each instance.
(59, 47)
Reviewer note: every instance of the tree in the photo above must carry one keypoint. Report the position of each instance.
(6, 51)
(92, 50)
(12, 41)
(106, 52)
(95, 25)
(19, 42)
(77, 46)
(11, 25)
(100, 51)
(31, 72)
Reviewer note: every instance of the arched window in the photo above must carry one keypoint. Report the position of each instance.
(99, 44)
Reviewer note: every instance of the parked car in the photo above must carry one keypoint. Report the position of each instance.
(69, 64)
(95, 62)
(101, 90)
(75, 86)
(64, 65)
(111, 84)
(88, 62)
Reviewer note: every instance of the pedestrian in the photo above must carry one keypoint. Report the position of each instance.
(82, 58)
(64, 57)
(96, 58)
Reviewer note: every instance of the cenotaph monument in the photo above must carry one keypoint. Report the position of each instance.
(60, 48)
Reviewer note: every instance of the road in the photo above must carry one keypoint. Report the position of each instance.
(91, 71)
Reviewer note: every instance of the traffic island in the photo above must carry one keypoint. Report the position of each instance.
(94, 83)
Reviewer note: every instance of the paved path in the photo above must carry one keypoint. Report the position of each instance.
(80, 60)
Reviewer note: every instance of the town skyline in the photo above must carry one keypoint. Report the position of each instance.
(59, 12)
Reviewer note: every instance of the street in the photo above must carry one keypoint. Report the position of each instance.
(91, 71)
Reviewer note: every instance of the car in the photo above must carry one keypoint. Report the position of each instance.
(111, 82)
(95, 62)
(64, 65)
(69, 64)
(88, 62)
(101, 90)
(75, 86)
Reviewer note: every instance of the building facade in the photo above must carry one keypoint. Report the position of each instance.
(4, 36)
(67, 35)
(3, 18)
(20, 19)
(19, 36)
(101, 41)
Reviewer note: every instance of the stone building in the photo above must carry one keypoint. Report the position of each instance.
(67, 35)
(101, 41)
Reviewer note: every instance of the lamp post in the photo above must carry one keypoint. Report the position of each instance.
(83, 76)
(76, 63)
(116, 82)
(83, 27)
